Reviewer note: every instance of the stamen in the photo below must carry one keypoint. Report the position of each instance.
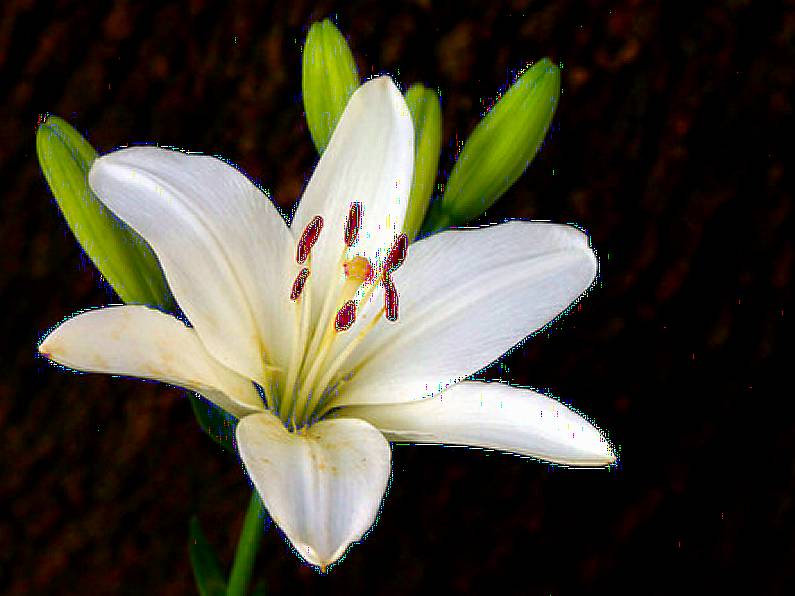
(345, 316)
(397, 254)
(353, 224)
(308, 239)
(316, 365)
(331, 372)
(298, 284)
(390, 299)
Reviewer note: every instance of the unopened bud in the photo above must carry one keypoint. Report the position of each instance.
(123, 258)
(329, 77)
(500, 148)
(426, 114)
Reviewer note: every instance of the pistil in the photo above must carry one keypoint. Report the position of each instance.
(316, 367)
(286, 405)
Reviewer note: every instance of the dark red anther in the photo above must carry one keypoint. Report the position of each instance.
(298, 284)
(308, 239)
(345, 316)
(353, 224)
(390, 299)
(397, 254)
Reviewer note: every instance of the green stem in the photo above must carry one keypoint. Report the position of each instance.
(247, 547)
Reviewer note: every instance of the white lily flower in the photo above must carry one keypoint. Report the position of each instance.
(352, 339)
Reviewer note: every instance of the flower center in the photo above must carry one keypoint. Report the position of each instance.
(324, 342)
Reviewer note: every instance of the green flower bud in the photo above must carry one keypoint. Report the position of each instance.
(500, 148)
(426, 113)
(122, 256)
(329, 78)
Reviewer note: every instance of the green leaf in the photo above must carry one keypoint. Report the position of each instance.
(426, 113)
(217, 423)
(206, 567)
(329, 77)
(122, 256)
(500, 148)
(247, 547)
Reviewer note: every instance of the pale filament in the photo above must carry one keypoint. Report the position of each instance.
(315, 370)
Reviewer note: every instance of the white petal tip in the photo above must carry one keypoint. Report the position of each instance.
(104, 161)
(384, 86)
(607, 456)
(598, 454)
(50, 348)
(125, 164)
(45, 349)
(587, 446)
(384, 82)
(581, 240)
(316, 559)
(108, 166)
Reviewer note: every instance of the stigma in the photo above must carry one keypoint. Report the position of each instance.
(358, 269)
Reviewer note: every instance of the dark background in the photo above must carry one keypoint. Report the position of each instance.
(668, 147)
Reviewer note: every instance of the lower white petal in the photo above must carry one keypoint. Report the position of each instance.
(492, 416)
(323, 485)
(143, 342)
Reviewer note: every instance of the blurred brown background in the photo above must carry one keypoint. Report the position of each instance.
(668, 147)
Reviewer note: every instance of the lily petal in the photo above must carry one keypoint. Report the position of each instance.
(221, 242)
(467, 297)
(322, 486)
(369, 160)
(142, 342)
(492, 416)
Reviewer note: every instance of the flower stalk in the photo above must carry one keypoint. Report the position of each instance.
(247, 547)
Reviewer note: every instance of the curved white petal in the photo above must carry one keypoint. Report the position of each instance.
(221, 242)
(323, 485)
(467, 297)
(492, 416)
(370, 160)
(142, 342)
